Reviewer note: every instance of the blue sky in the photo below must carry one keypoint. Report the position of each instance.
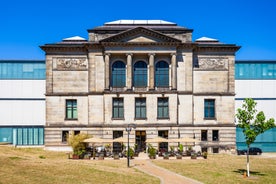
(26, 24)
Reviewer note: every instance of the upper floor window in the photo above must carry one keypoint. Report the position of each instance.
(71, 109)
(209, 108)
(118, 74)
(140, 74)
(140, 108)
(118, 108)
(163, 108)
(162, 74)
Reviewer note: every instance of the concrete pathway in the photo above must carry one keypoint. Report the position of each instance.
(165, 176)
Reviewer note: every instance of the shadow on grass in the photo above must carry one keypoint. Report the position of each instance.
(241, 171)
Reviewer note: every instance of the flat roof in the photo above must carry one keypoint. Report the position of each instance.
(139, 22)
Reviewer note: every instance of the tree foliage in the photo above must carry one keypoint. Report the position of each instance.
(77, 144)
(252, 122)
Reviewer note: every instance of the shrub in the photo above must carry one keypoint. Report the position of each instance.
(77, 144)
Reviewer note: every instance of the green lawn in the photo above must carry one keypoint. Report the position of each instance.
(224, 168)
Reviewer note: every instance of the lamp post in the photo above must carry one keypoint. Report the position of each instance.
(128, 129)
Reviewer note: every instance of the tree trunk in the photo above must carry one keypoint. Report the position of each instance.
(247, 165)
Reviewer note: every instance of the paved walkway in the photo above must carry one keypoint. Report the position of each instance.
(165, 176)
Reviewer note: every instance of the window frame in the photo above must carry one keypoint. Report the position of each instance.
(209, 109)
(204, 138)
(163, 108)
(118, 106)
(140, 74)
(118, 74)
(142, 108)
(71, 107)
(162, 74)
(213, 135)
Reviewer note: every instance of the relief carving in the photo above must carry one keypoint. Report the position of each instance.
(214, 63)
(70, 64)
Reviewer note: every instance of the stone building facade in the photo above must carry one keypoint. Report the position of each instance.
(149, 73)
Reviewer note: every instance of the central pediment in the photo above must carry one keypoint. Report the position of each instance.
(140, 35)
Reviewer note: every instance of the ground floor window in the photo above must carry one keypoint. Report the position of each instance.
(163, 146)
(204, 135)
(215, 136)
(29, 136)
(65, 134)
(117, 146)
(215, 150)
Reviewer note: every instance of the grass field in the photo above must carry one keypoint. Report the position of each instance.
(33, 165)
(224, 168)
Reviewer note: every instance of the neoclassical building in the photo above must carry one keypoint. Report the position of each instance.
(144, 72)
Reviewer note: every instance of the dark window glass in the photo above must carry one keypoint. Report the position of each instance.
(118, 108)
(209, 108)
(117, 146)
(71, 109)
(163, 108)
(215, 135)
(64, 136)
(161, 74)
(118, 74)
(140, 108)
(204, 135)
(140, 73)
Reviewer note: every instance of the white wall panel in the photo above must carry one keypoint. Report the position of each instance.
(22, 88)
(22, 112)
(267, 106)
(255, 88)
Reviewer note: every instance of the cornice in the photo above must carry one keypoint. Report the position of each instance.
(217, 47)
(63, 48)
(214, 94)
(138, 31)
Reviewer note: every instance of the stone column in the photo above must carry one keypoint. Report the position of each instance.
(107, 71)
(129, 71)
(151, 71)
(173, 71)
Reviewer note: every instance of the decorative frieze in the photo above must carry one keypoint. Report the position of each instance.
(76, 63)
(213, 63)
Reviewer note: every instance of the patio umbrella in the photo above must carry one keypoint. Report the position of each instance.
(122, 139)
(157, 140)
(97, 140)
(185, 140)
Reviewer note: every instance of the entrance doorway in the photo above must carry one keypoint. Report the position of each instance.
(117, 146)
(140, 140)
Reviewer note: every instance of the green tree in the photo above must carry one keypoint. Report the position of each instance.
(253, 123)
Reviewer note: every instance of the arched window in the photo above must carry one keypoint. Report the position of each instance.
(118, 74)
(140, 74)
(162, 74)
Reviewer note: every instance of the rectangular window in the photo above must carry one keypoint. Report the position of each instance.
(140, 108)
(65, 134)
(215, 135)
(204, 135)
(117, 146)
(163, 108)
(71, 109)
(215, 150)
(118, 108)
(209, 108)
